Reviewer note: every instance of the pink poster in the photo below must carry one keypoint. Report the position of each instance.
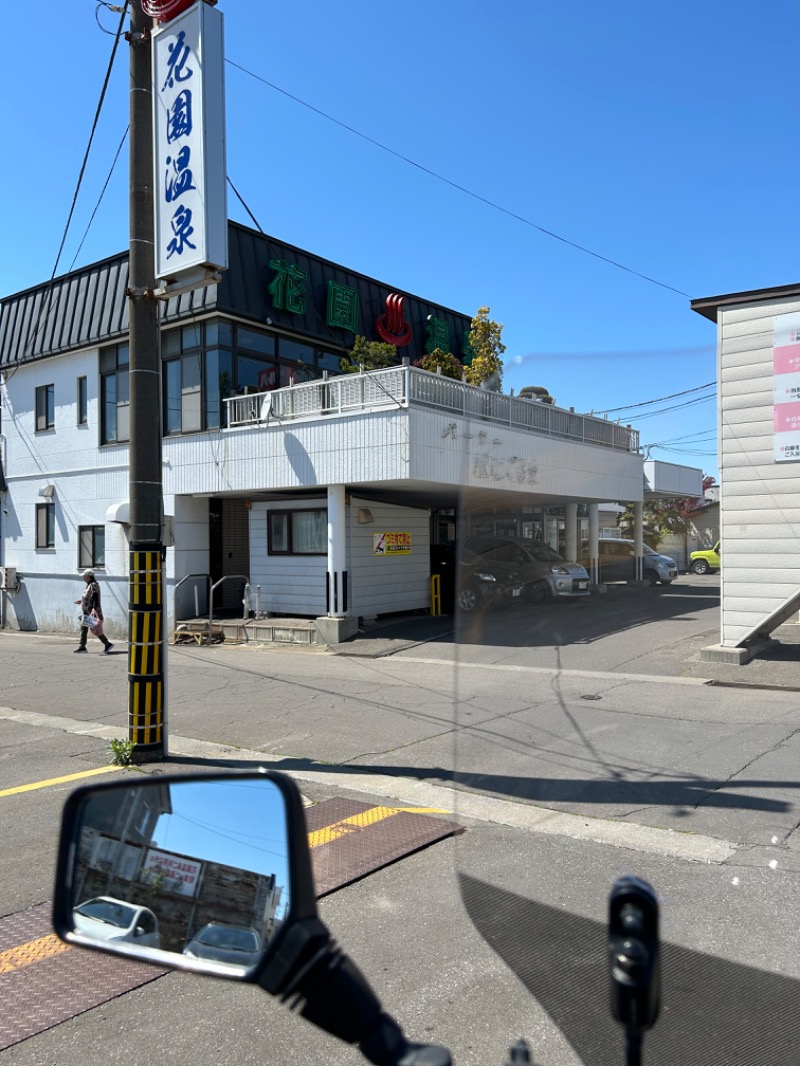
(786, 387)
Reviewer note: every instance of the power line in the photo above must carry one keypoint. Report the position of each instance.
(675, 407)
(43, 316)
(455, 185)
(99, 199)
(647, 403)
(705, 435)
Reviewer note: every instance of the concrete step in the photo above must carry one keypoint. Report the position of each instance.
(247, 631)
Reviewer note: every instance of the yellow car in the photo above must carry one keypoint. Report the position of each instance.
(706, 562)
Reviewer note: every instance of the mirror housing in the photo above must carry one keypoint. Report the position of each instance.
(203, 872)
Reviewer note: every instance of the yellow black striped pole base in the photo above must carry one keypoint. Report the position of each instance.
(145, 650)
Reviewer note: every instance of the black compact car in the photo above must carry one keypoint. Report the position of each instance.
(482, 582)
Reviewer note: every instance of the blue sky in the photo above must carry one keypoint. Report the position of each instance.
(240, 823)
(659, 136)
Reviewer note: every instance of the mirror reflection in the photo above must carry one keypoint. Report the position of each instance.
(198, 868)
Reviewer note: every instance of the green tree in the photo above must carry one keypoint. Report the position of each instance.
(372, 355)
(485, 340)
(662, 517)
(444, 361)
(659, 518)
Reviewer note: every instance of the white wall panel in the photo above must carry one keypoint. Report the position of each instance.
(383, 584)
(290, 584)
(760, 512)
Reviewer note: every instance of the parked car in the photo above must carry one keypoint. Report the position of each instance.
(706, 561)
(544, 573)
(106, 918)
(483, 582)
(219, 942)
(617, 562)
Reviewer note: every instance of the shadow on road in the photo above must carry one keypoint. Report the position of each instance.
(520, 624)
(685, 791)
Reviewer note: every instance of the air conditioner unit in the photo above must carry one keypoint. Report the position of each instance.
(8, 578)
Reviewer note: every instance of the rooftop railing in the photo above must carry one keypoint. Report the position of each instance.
(407, 386)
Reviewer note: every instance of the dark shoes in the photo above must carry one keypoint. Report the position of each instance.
(107, 649)
(79, 649)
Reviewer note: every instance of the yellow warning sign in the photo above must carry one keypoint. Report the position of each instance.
(391, 543)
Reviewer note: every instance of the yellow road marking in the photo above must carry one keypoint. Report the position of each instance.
(34, 951)
(361, 821)
(56, 781)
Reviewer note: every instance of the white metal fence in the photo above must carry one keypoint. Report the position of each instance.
(407, 386)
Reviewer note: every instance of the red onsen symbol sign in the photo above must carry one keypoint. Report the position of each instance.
(391, 326)
(164, 10)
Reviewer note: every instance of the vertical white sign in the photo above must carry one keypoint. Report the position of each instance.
(786, 387)
(191, 213)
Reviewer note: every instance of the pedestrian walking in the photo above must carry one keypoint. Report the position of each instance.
(91, 609)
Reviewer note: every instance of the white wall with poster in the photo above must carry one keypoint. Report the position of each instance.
(395, 575)
(758, 344)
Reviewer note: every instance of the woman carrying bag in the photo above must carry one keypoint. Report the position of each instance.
(91, 614)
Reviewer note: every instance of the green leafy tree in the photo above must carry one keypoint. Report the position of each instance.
(485, 340)
(662, 517)
(444, 361)
(372, 355)
(659, 519)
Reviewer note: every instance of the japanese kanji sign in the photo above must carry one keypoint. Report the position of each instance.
(189, 151)
(391, 543)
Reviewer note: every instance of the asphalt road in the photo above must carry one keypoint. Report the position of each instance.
(575, 743)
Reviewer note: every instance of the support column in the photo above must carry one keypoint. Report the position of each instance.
(337, 595)
(571, 532)
(338, 624)
(594, 546)
(638, 538)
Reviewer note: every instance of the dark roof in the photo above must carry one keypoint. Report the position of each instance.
(709, 305)
(90, 306)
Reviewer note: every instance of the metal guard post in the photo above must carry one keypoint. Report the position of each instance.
(145, 648)
(436, 594)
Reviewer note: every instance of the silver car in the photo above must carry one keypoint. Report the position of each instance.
(107, 918)
(544, 574)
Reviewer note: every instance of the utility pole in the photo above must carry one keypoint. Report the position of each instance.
(146, 659)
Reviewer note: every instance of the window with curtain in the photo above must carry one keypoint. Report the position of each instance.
(115, 403)
(45, 525)
(91, 546)
(298, 532)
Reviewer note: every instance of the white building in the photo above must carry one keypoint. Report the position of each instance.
(323, 491)
(758, 405)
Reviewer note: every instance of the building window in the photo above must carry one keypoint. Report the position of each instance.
(45, 407)
(45, 525)
(209, 362)
(83, 402)
(91, 546)
(115, 421)
(298, 532)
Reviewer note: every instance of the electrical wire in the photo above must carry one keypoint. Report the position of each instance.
(674, 407)
(647, 403)
(270, 244)
(705, 435)
(456, 185)
(99, 199)
(45, 314)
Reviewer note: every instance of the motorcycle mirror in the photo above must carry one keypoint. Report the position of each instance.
(204, 873)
